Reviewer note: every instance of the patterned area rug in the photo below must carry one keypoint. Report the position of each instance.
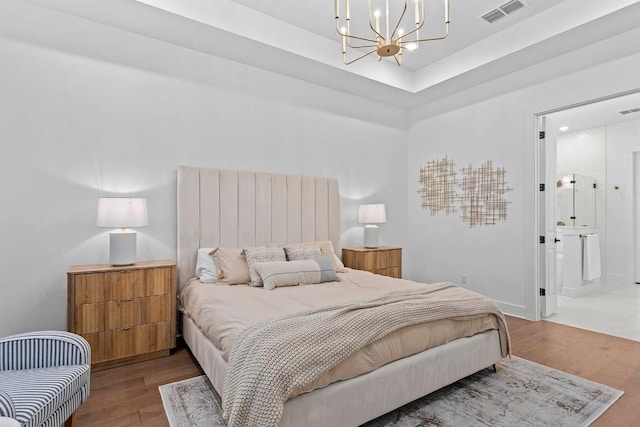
(523, 393)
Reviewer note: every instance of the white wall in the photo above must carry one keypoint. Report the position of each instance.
(74, 128)
(499, 259)
(442, 247)
(623, 140)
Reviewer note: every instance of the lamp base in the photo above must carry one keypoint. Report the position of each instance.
(122, 247)
(371, 236)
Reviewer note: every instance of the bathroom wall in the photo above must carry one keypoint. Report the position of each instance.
(584, 152)
(623, 140)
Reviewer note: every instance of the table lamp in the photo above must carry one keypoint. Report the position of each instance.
(122, 213)
(371, 215)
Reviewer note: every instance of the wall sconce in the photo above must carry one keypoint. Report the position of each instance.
(122, 213)
(371, 215)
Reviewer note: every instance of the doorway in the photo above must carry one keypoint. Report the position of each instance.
(589, 161)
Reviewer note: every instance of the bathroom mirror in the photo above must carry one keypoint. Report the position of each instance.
(576, 200)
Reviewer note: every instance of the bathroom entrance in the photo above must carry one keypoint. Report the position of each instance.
(590, 216)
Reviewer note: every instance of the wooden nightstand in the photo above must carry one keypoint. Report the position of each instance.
(385, 260)
(126, 313)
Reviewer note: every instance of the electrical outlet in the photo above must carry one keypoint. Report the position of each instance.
(463, 279)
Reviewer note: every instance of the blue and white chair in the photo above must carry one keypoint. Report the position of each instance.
(44, 377)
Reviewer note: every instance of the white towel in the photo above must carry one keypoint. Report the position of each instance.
(591, 257)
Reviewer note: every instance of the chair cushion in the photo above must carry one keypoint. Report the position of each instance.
(6, 406)
(38, 393)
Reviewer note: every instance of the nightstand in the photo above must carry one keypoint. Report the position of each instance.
(126, 313)
(385, 260)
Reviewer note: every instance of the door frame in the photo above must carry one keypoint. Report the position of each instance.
(633, 240)
(540, 215)
(546, 259)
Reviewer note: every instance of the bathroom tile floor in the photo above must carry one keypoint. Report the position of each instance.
(614, 309)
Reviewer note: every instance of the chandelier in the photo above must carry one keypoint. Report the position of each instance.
(385, 40)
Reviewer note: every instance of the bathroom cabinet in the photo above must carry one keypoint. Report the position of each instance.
(569, 264)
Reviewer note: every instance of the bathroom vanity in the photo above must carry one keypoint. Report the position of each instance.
(578, 260)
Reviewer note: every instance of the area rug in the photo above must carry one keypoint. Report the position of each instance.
(523, 393)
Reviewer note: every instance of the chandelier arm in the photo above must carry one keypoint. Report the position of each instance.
(418, 28)
(350, 36)
(364, 46)
(374, 30)
(447, 21)
(344, 58)
(361, 38)
(427, 40)
(349, 39)
(397, 61)
(399, 21)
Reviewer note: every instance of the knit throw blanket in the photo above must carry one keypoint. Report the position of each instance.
(271, 359)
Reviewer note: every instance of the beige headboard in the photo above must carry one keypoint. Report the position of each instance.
(240, 209)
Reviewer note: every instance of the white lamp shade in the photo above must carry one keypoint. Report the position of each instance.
(372, 214)
(122, 212)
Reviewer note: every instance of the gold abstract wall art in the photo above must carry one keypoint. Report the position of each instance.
(437, 186)
(479, 193)
(482, 191)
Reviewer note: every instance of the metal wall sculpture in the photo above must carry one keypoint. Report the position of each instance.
(480, 193)
(438, 181)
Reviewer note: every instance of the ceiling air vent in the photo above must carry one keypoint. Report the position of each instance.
(504, 10)
(493, 16)
(511, 6)
(632, 110)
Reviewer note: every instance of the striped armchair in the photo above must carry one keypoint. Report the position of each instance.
(44, 377)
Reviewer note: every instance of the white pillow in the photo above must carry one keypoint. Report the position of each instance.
(206, 267)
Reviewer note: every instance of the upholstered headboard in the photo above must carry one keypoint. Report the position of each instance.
(240, 209)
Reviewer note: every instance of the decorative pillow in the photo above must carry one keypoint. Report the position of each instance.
(297, 253)
(291, 273)
(261, 254)
(206, 269)
(232, 266)
(326, 248)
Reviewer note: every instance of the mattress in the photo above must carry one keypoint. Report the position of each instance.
(222, 312)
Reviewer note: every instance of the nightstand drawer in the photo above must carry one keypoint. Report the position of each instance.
(384, 260)
(120, 314)
(121, 285)
(98, 287)
(122, 343)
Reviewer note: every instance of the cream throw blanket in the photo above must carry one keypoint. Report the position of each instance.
(271, 359)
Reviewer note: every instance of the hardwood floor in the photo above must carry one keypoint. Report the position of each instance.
(602, 358)
(128, 395)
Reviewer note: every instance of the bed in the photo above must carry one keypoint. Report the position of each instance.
(246, 209)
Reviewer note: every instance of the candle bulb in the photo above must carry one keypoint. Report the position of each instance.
(417, 11)
(446, 11)
(387, 12)
(337, 8)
